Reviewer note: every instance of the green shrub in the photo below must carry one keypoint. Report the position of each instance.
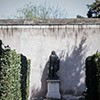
(93, 77)
(25, 70)
(11, 76)
(97, 60)
(28, 78)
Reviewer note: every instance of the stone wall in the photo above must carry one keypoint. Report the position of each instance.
(72, 39)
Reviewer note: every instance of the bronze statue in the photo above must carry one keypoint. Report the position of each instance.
(54, 62)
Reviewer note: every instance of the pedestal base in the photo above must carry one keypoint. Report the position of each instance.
(53, 89)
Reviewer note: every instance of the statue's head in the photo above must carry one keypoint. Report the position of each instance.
(53, 52)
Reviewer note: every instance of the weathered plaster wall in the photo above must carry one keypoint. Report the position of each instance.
(72, 43)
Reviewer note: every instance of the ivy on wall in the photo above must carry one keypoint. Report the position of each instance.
(93, 77)
(12, 73)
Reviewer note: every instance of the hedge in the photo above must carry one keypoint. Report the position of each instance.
(12, 72)
(92, 66)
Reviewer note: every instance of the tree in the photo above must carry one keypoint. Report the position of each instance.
(94, 10)
(79, 16)
(30, 11)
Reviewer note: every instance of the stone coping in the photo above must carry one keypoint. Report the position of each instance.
(74, 21)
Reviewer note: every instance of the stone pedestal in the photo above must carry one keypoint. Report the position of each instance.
(53, 89)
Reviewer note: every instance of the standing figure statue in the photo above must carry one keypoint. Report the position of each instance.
(54, 62)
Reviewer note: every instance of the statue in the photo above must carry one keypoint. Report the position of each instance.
(54, 62)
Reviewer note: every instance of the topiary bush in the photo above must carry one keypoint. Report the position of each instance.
(12, 74)
(92, 65)
(25, 70)
(98, 73)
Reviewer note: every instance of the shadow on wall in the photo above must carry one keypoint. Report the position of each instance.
(41, 93)
(43, 80)
(70, 72)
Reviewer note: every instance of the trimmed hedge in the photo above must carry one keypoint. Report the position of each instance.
(25, 70)
(92, 66)
(11, 76)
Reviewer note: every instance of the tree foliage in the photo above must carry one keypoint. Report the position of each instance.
(94, 10)
(45, 11)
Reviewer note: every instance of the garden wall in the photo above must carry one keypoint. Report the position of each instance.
(72, 39)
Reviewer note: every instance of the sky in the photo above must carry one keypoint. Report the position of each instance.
(8, 8)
